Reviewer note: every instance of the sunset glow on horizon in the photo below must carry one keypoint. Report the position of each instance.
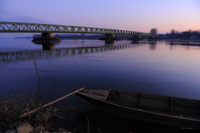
(181, 15)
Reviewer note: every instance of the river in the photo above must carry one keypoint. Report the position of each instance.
(162, 67)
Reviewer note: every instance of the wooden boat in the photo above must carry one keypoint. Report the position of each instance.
(174, 111)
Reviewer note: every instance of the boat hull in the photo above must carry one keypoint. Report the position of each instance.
(142, 115)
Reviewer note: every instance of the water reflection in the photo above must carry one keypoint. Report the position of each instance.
(152, 44)
(47, 45)
(109, 42)
(183, 43)
(135, 42)
(50, 51)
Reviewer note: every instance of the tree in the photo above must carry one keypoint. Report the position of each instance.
(173, 31)
(154, 31)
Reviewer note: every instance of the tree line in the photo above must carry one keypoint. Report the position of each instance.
(178, 35)
(184, 35)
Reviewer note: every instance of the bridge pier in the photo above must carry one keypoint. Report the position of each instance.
(109, 38)
(152, 37)
(136, 37)
(46, 35)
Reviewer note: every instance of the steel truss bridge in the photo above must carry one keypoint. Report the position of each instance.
(50, 28)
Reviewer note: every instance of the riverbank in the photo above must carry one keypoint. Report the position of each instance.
(85, 121)
(14, 108)
(27, 128)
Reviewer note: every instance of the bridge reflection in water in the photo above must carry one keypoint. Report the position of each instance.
(47, 46)
(27, 55)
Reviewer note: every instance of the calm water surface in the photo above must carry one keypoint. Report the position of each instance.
(157, 67)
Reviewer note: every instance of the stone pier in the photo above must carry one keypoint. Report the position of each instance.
(151, 37)
(136, 37)
(109, 38)
(47, 35)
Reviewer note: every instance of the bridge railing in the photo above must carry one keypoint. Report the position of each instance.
(39, 28)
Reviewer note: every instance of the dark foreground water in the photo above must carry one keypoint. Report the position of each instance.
(170, 68)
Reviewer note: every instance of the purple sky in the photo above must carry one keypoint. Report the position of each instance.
(136, 15)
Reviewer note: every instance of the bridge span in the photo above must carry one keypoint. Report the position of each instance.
(48, 30)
